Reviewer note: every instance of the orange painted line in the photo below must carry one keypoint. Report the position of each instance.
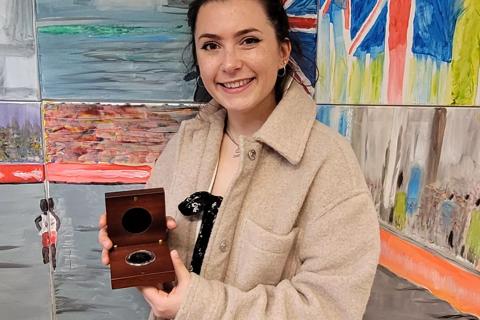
(446, 280)
(96, 173)
(326, 7)
(347, 13)
(22, 173)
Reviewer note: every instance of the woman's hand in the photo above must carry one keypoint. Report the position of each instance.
(107, 244)
(163, 304)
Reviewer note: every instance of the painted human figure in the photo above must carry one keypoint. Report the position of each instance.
(48, 224)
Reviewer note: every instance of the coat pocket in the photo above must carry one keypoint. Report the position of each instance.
(263, 256)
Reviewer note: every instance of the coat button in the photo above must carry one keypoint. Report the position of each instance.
(252, 154)
(223, 246)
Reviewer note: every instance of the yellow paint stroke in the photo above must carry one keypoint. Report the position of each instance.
(376, 78)
(355, 81)
(400, 210)
(411, 79)
(466, 55)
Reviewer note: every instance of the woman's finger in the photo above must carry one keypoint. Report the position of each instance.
(105, 257)
(171, 223)
(183, 275)
(153, 295)
(102, 222)
(104, 240)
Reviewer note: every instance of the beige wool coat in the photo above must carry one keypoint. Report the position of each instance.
(296, 236)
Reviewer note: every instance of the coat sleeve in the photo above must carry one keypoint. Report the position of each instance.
(337, 248)
(162, 171)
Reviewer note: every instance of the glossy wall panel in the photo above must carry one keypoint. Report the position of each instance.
(82, 283)
(422, 166)
(25, 286)
(18, 61)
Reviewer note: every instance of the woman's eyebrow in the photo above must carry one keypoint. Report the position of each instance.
(237, 34)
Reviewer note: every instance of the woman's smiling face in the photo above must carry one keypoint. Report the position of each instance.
(238, 54)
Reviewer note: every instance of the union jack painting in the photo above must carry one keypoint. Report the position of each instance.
(399, 52)
(302, 16)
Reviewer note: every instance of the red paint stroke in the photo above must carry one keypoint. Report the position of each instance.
(367, 25)
(21, 173)
(446, 280)
(346, 14)
(302, 22)
(97, 173)
(399, 16)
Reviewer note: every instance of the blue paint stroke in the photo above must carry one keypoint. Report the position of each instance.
(413, 189)
(447, 209)
(99, 10)
(306, 59)
(360, 10)
(138, 38)
(374, 41)
(302, 7)
(434, 27)
(336, 16)
(323, 114)
(343, 123)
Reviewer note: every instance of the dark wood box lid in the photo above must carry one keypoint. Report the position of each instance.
(136, 216)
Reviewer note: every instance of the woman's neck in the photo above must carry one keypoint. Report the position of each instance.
(247, 123)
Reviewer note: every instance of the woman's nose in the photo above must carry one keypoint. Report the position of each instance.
(231, 61)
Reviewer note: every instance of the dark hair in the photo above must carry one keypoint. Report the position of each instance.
(277, 16)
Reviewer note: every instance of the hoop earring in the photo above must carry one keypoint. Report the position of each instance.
(282, 72)
(200, 82)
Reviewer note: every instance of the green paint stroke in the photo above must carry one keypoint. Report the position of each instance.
(103, 30)
(473, 237)
(355, 81)
(466, 55)
(435, 85)
(400, 210)
(376, 69)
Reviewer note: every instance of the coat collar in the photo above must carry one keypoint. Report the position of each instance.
(286, 130)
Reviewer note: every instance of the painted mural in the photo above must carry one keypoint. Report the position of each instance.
(20, 132)
(422, 52)
(422, 166)
(18, 71)
(101, 61)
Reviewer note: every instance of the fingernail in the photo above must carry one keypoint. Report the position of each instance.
(175, 253)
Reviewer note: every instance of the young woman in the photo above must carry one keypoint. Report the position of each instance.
(292, 233)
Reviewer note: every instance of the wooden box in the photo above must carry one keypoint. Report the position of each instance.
(137, 227)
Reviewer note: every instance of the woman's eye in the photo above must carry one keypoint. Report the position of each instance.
(209, 46)
(250, 40)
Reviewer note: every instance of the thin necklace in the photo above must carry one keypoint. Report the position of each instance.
(236, 153)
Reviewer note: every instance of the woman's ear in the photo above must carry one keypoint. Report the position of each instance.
(285, 51)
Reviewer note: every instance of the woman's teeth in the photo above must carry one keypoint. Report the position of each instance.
(236, 84)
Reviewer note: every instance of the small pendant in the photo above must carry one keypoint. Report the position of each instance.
(236, 153)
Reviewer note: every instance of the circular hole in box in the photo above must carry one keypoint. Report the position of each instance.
(136, 220)
(140, 258)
